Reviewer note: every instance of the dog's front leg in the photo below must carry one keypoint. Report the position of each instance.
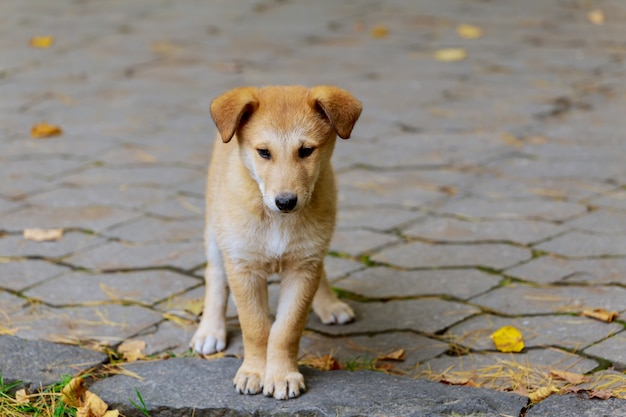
(249, 288)
(282, 378)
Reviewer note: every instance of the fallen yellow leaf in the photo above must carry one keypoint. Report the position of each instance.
(380, 31)
(596, 17)
(601, 314)
(396, 355)
(194, 306)
(323, 363)
(41, 41)
(450, 54)
(45, 130)
(92, 407)
(73, 393)
(542, 393)
(43, 235)
(511, 140)
(112, 413)
(571, 377)
(11, 331)
(132, 350)
(21, 397)
(469, 31)
(508, 339)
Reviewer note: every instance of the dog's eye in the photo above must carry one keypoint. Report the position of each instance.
(264, 153)
(305, 152)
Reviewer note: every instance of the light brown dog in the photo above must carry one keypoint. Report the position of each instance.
(270, 208)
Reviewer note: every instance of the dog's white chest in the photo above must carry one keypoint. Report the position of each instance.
(277, 239)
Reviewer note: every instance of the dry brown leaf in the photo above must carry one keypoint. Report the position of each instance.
(469, 31)
(10, 331)
(73, 393)
(43, 235)
(166, 48)
(112, 413)
(41, 42)
(380, 31)
(92, 407)
(454, 380)
(508, 339)
(396, 355)
(571, 377)
(542, 393)
(450, 54)
(596, 17)
(601, 394)
(511, 140)
(323, 363)
(132, 350)
(21, 397)
(601, 314)
(194, 306)
(45, 130)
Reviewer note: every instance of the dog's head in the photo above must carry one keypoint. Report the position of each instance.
(286, 136)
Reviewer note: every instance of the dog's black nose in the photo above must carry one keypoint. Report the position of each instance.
(286, 201)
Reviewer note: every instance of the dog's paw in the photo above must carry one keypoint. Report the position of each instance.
(283, 387)
(209, 342)
(248, 381)
(336, 312)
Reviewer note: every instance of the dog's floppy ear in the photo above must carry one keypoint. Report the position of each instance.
(339, 106)
(231, 108)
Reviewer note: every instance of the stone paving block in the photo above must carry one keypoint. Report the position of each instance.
(107, 323)
(601, 221)
(427, 315)
(382, 282)
(383, 219)
(17, 246)
(150, 229)
(180, 386)
(18, 276)
(565, 405)
(363, 350)
(480, 208)
(154, 175)
(180, 207)
(577, 244)
(611, 349)
(541, 168)
(145, 287)
(67, 146)
(424, 255)
(10, 306)
(614, 199)
(549, 269)
(455, 230)
(337, 268)
(20, 186)
(117, 255)
(41, 168)
(480, 367)
(8, 205)
(406, 188)
(516, 299)
(357, 242)
(38, 363)
(568, 332)
(123, 196)
(95, 217)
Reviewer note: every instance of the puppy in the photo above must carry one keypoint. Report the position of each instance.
(270, 208)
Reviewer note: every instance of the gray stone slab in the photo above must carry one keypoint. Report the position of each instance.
(152, 230)
(96, 217)
(538, 209)
(454, 230)
(18, 276)
(17, 246)
(106, 323)
(564, 331)
(178, 386)
(382, 282)
(601, 221)
(611, 349)
(38, 363)
(152, 175)
(565, 405)
(117, 255)
(427, 315)
(180, 207)
(81, 288)
(358, 242)
(382, 219)
(518, 299)
(41, 168)
(337, 268)
(362, 351)
(424, 255)
(614, 199)
(578, 244)
(549, 269)
(480, 366)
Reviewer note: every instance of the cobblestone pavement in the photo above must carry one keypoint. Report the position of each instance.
(474, 194)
